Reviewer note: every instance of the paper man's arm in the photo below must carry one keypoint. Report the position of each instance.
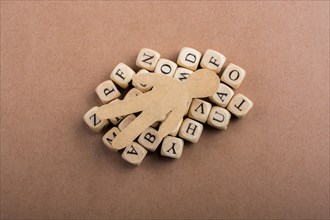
(171, 121)
(122, 107)
(151, 79)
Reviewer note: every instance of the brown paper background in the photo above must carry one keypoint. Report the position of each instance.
(272, 164)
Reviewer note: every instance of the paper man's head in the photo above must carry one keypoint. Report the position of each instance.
(202, 83)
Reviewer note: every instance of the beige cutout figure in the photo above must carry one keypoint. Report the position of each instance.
(168, 97)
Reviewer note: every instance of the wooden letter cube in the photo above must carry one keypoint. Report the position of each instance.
(134, 154)
(222, 96)
(109, 136)
(107, 91)
(199, 110)
(142, 87)
(93, 121)
(147, 59)
(219, 118)
(132, 93)
(166, 67)
(191, 130)
(189, 58)
(126, 121)
(150, 139)
(172, 147)
(122, 75)
(233, 75)
(182, 73)
(213, 60)
(240, 105)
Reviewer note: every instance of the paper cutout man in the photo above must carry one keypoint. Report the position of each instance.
(168, 96)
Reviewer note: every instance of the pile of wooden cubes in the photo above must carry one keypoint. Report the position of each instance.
(216, 111)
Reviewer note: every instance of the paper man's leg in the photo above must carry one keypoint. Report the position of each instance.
(171, 122)
(133, 130)
(122, 107)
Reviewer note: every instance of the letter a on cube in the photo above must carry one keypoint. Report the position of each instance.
(134, 154)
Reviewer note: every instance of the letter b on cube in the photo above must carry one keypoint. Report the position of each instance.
(150, 139)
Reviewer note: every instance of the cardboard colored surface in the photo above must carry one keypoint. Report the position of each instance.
(272, 164)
